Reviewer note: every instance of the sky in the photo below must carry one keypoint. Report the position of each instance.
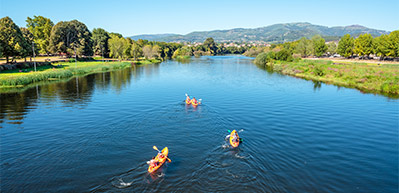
(131, 17)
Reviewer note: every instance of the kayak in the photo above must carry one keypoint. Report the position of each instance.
(188, 101)
(195, 104)
(161, 161)
(233, 143)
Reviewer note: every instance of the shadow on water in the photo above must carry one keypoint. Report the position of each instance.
(184, 60)
(316, 85)
(15, 103)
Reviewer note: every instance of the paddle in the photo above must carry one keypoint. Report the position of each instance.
(155, 147)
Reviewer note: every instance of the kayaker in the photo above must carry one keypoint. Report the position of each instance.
(188, 98)
(235, 138)
(153, 162)
(194, 101)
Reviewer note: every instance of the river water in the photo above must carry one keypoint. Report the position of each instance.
(96, 133)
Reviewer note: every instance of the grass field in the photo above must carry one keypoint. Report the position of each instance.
(368, 77)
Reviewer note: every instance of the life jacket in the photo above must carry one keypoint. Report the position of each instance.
(153, 163)
(194, 101)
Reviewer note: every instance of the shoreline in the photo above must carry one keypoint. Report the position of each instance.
(19, 80)
(368, 78)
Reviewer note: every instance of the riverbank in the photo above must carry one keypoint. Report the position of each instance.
(367, 77)
(58, 71)
(368, 61)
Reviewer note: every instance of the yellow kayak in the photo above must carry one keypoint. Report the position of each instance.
(234, 143)
(160, 159)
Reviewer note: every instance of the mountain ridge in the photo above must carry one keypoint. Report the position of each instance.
(276, 33)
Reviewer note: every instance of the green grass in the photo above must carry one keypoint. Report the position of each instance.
(65, 70)
(383, 79)
(144, 62)
(62, 70)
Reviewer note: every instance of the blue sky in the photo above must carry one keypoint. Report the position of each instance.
(130, 17)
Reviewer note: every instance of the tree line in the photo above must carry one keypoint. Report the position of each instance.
(67, 38)
(384, 46)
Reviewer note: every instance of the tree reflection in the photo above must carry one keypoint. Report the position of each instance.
(72, 92)
(316, 85)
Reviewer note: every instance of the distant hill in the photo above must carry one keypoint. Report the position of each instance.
(152, 37)
(271, 34)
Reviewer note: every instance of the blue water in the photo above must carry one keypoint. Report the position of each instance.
(95, 133)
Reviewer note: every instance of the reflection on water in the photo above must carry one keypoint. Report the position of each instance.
(76, 91)
(317, 85)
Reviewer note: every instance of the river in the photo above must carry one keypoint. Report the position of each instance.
(96, 133)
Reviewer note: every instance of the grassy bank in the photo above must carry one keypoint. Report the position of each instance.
(375, 78)
(15, 78)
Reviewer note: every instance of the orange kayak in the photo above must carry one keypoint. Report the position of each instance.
(161, 161)
(195, 104)
(188, 101)
(234, 143)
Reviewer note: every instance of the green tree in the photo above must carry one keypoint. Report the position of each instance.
(147, 51)
(115, 34)
(100, 39)
(264, 58)
(156, 51)
(363, 45)
(381, 45)
(12, 41)
(304, 47)
(331, 48)
(118, 47)
(210, 45)
(70, 36)
(41, 28)
(393, 44)
(345, 46)
(136, 51)
(183, 51)
(29, 42)
(319, 45)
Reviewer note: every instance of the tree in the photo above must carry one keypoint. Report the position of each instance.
(183, 51)
(284, 55)
(147, 51)
(156, 51)
(393, 44)
(331, 48)
(381, 45)
(118, 47)
(345, 46)
(100, 42)
(319, 45)
(12, 42)
(29, 42)
(115, 34)
(363, 45)
(304, 47)
(264, 58)
(136, 51)
(70, 36)
(210, 45)
(40, 27)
